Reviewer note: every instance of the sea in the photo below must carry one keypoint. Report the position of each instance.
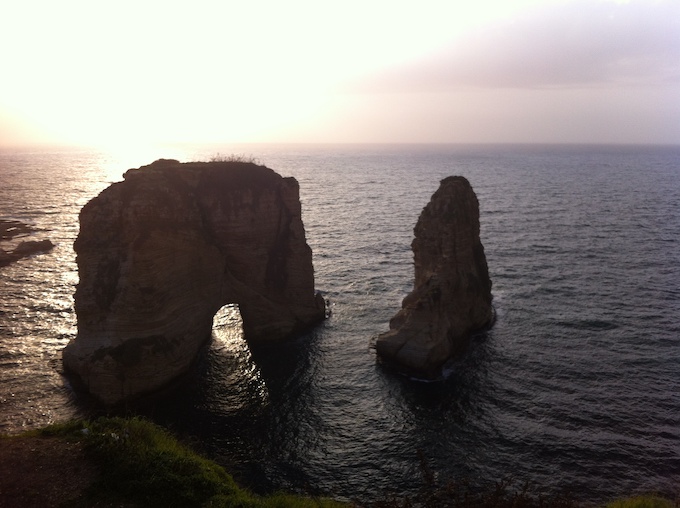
(575, 389)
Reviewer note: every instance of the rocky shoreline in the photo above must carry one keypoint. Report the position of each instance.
(11, 229)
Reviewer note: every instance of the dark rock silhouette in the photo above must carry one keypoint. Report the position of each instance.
(452, 291)
(10, 229)
(161, 252)
(30, 247)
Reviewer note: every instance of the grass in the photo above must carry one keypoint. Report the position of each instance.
(643, 502)
(141, 464)
(218, 157)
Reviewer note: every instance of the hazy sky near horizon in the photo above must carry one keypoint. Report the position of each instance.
(447, 71)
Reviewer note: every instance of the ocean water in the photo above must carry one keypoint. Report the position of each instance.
(576, 387)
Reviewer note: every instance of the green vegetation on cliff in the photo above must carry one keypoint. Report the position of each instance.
(131, 462)
(141, 464)
(643, 502)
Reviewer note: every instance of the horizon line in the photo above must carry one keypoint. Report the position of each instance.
(98, 146)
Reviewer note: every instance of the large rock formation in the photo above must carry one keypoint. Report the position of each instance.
(161, 252)
(452, 290)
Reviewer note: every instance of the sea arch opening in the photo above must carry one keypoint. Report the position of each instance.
(235, 378)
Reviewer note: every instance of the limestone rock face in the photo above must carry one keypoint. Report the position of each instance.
(452, 290)
(161, 252)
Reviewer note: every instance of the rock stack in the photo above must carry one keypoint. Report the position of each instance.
(452, 291)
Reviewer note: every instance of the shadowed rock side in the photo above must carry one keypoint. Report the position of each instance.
(158, 255)
(452, 290)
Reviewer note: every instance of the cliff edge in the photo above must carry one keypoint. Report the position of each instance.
(161, 252)
(452, 290)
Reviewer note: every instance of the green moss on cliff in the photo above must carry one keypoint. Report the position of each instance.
(643, 502)
(141, 464)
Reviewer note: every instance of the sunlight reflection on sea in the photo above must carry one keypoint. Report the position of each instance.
(576, 386)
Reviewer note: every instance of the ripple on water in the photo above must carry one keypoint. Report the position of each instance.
(575, 386)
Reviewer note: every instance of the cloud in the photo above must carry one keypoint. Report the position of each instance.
(568, 45)
(510, 71)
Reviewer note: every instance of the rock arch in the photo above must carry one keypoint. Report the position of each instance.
(161, 252)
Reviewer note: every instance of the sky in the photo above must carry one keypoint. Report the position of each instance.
(88, 72)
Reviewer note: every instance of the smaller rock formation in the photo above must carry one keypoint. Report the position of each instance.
(10, 229)
(452, 291)
(161, 252)
(30, 247)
